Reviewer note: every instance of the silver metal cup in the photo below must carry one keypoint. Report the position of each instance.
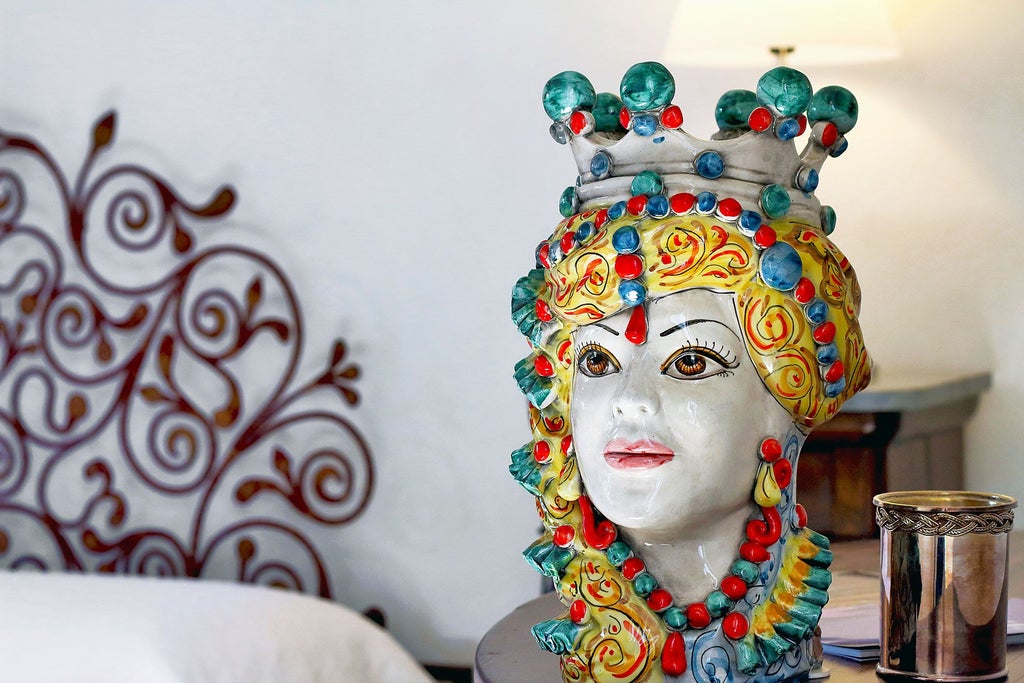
(944, 584)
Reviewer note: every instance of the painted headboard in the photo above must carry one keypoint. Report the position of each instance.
(155, 417)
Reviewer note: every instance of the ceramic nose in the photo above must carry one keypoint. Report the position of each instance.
(637, 396)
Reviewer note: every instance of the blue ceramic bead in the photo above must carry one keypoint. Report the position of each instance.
(816, 311)
(568, 202)
(706, 202)
(836, 104)
(657, 206)
(828, 353)
(606, 113)
(749, 221)
(835, 388)
(807, 179)
(733, 109)
(601, 165)
(559, 132)
(626, 240)
(839, 147)
(647, 85)
(780, 267)
(784, 91)
(555, 251)
(709, 164)
(632, 292)
(617, 210)
(646, 183)
(645, 124)
(787, 129)
(828, 219)
(567, 92)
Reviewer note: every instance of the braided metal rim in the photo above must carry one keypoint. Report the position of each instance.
(945, 523)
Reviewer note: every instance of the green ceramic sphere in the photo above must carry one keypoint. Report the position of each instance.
(566, 92)
(647, 85)
(646, 183)
(836, 104)
(784, 90)
(733, 109)
(775, 201)
(606, 113)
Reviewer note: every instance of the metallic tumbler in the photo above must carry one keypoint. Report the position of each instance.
(944, 584)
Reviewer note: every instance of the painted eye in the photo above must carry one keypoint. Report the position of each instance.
(696, 363)
(595, 361)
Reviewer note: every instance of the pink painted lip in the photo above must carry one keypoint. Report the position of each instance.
(622, 454)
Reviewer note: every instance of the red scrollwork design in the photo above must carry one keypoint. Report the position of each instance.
(152, 415)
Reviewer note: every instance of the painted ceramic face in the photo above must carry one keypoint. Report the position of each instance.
(667, 432)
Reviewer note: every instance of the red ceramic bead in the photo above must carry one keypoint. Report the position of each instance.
(804, 291)
(673, 655)
(764, 237)
(735, 625)
(543, 311)
(802, 120)
(578, 611)
(783, 472)
(734, 587)
(834, 372)
(697, 615)
(541, 451)
(543, 366)
(636, 328)
(624, 117)
(760, 119)
(636, 205)
(601, 218)
(632, 567)
(801, 515)
(729, 208)
(568, 242)
(629, 266)
(577, 122)
(753, 552)
(566, 443)
(543, 255)
(564, 535)
(829, 135)
(672, 117)
(825, 333)
(682, 202)
(771, 449)
(659, 600)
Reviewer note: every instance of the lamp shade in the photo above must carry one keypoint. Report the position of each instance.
(808, 32)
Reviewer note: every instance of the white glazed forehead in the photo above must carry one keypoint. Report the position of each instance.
(692, 309)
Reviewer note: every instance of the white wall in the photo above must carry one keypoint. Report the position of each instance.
(400, 152)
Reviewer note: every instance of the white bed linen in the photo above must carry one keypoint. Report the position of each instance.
(73, 628)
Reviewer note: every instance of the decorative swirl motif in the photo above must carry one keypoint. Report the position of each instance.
(153, 377)
(945, 523)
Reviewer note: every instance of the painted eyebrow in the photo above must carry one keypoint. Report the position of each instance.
(695, 321)
(608, 329)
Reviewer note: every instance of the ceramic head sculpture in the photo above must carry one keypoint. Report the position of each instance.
(690, 322)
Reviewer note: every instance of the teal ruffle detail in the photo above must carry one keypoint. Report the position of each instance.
(537, 388)
(524, 305)
(525, 470)
(556, 635)
(548, 559)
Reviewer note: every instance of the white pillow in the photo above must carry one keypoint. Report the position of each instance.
(75, 628)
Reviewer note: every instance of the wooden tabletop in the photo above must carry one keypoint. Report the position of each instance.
(509, 654)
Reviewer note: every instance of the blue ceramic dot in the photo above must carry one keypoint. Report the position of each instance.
(555, 251)
(658, 140)
(733, 109)
(657, 206)
(816, 311)
(828, 353)
(559, 132)
(749, 221)
(787, 129)
(601, 165)
(828, 219)
(644, 584)
(606, 113)
(567, 92)
(617, 210)
(835, 388)
(838, 147)
(568, 202)
(780, 267)
(709, 164)
(647, 85)
(645, 124)
(836, 104)
(626, 240)
(807, 179)
(585, 232)
(706, 202)
(646, 183)
(784, 90)
(632, 292)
